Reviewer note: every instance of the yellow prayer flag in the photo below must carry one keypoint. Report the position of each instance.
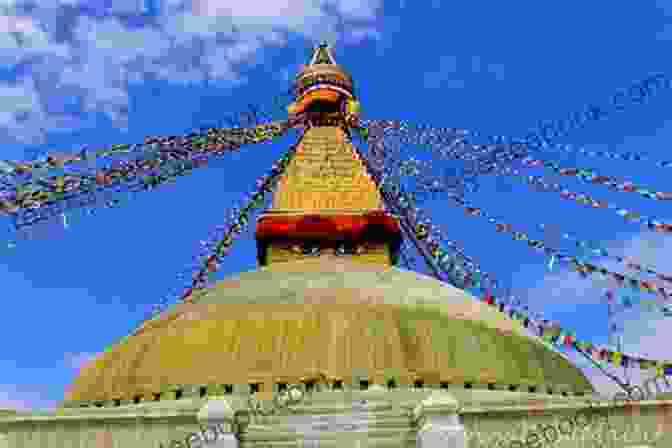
(616, 357)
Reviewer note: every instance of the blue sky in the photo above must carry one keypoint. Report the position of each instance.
(76, 73)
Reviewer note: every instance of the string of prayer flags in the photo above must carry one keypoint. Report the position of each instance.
(573, 262)
(423, 134)
(593, 248)
(554, 333)
(210, 136)
(33, 201)
(591, 177)
(211, 264)
(417, 168)
(584, 199)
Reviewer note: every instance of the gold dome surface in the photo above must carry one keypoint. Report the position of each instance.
(325, 315)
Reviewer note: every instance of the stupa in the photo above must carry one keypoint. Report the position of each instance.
(327, 297)
(400, 353)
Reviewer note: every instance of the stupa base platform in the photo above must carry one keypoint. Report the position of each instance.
(376, 417)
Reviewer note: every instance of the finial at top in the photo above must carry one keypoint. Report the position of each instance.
(322, 55)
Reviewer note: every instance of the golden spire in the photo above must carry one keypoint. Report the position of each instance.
(326, 176)
(326, 198)
(322, 55)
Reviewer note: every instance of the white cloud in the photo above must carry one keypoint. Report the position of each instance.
(220, 67)
(307, 17)
(358, 9)
(21, 399)
(26, 397)
(184, 27)
(645, 332)
(17, 24)
(23, 38)
(102, 55)
(645, 336)
(110, 39)
(646, 249)
(77, 361)
(21, 112)
(357, 35)
(129, 7)
(270, 12)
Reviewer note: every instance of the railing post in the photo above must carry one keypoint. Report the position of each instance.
(216, 419)
(440, 427)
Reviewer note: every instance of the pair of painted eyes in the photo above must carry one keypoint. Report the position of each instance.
(349, 250)
(315, 250)
(305, 249)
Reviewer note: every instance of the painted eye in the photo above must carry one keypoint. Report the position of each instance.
(296, 249)
(346, 249)
(311, 249)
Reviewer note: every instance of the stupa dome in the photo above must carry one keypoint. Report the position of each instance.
(349, 320)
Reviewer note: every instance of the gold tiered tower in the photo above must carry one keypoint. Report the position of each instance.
(326, 299)
(326, 203)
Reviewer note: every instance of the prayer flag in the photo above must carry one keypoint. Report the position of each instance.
(616, 358)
